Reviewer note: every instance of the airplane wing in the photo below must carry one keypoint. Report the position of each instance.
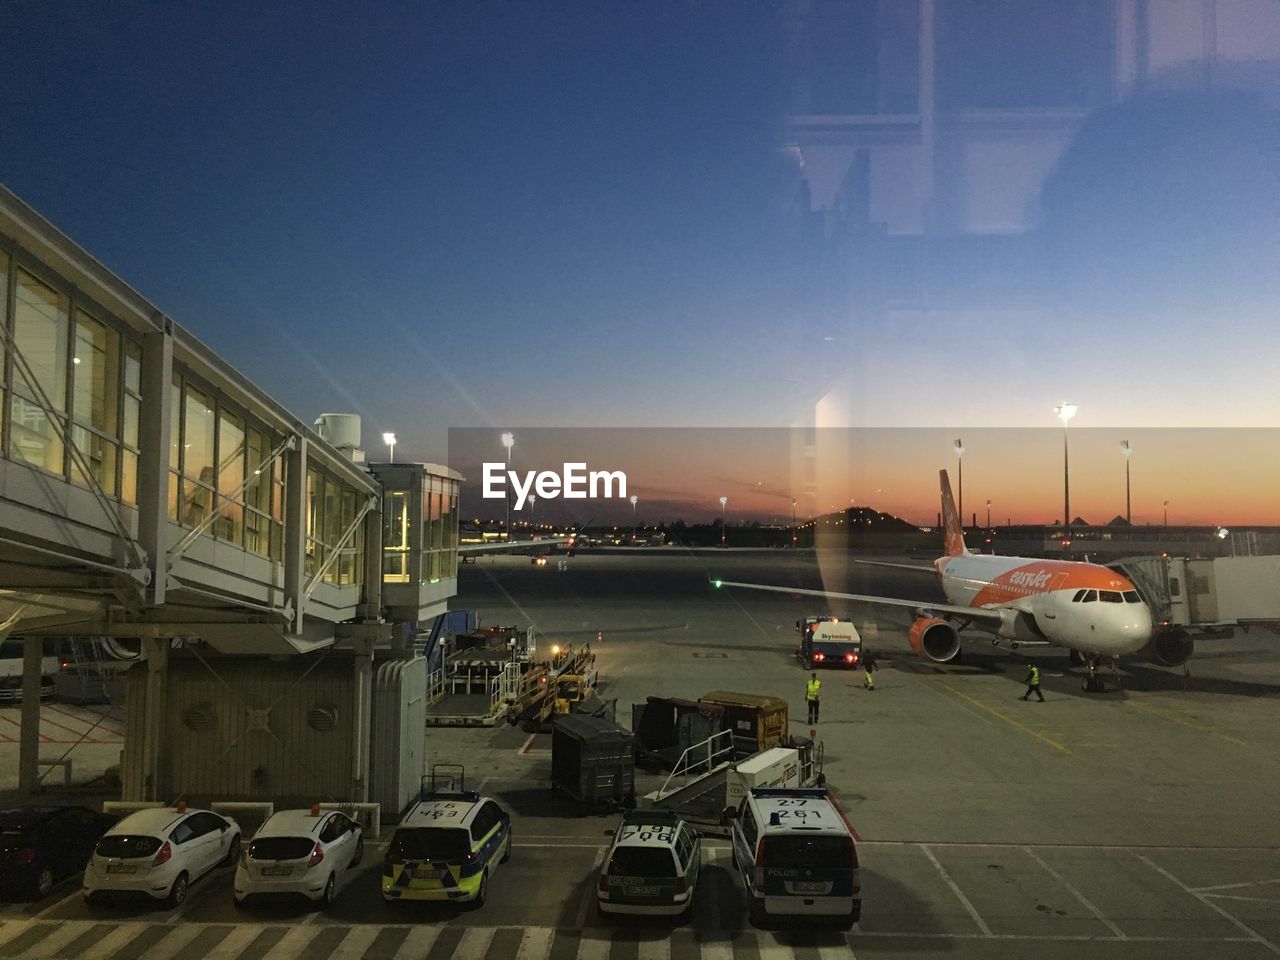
(917, 567)
(982, 614)
(500, 545)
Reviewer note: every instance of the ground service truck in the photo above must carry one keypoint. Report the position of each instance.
(828, 642)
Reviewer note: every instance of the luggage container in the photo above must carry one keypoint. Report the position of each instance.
(757, 722)
(667, 726)
(593, 760)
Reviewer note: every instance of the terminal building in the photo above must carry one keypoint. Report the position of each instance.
(272, 581)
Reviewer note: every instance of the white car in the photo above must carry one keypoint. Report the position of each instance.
(299, 852)
(159, 853)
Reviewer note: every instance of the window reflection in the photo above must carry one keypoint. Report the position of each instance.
(40, 330)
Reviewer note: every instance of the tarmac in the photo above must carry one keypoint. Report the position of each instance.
(1131, 824)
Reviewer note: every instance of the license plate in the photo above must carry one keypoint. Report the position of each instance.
(636, 890)
(121, 868)
(277, 871)
(808, 886)
(427, 873)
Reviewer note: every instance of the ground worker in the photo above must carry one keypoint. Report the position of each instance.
(869, 670)
(812, 691)
(1033, 682)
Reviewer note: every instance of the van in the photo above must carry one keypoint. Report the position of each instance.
(796, 855)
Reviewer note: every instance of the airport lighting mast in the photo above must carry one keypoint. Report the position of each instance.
(508, 441)
(390, 440)
(1065, 412)
(1128, 502)
(960, 464)
(724, 519)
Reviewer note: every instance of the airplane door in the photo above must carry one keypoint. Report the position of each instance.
(1053, 596)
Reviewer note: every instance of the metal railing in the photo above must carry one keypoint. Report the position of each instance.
(701, 759)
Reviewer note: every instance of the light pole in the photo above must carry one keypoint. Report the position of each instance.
(508, 441)
(1065, 412)
(724, 519)
(960, 464)
(533, 502)
(1128, 502)
(634, 501)
(988, 514)
(390, 440)
(794, 537)
(1166, 513)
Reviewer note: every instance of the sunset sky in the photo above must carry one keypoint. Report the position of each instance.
(1208, 476)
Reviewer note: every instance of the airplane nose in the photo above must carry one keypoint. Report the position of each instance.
(1138, 621)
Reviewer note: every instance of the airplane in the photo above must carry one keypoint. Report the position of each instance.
(1089, 609)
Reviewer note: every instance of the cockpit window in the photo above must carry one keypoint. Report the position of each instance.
(1090, 596)
(1131, 596)
(1110, 596)
(1079, 596)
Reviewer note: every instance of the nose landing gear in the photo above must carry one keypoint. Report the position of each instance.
(1093, 682)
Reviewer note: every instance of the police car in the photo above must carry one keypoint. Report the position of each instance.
(446, 848)
(652, 866)
(796, 855)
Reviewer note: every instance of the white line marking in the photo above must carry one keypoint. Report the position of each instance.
(173, 943)
(57, 939)
(1229, 896)
(355, 945)
(589, 900)
(977, 918)
(536, 944)
(654, 950)
(1236, 921)
(1075, 893)
(475, 941)
(1234, 886)
(592, 946)
(716, 949)
(418, 943)
(234, 942)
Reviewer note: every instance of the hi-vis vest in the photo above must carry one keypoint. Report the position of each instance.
(1035, 676)
(812, 689)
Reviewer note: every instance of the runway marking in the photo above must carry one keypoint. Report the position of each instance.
(977, 917)
(1204, 898)
(1084, 901)
(1236, 886)
(1199, 727)
(1009, 720)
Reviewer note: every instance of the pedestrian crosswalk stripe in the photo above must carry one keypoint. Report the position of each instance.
(418, 943)
(356, 944)
(536, 944)
(234, 943)
(474, 943)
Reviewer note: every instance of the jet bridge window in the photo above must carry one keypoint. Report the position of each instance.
(1111, 596)
(1089, 596)
(1131, 596)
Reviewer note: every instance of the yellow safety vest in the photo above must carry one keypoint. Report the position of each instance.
(1035, 676)
(812, 689)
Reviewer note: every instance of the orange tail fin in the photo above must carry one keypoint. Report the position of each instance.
(952, 529)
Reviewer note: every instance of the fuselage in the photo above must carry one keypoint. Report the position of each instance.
(1082, 606)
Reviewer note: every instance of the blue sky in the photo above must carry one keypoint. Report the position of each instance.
(508, 214)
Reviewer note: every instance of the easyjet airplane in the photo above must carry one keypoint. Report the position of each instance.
(1085, 607)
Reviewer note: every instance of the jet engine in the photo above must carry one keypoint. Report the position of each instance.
(1170, 647)
(933, 638)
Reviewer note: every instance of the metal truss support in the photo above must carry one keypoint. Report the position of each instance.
(335, 550)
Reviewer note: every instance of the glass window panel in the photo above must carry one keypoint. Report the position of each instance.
(230, 523)
(258, 494)
(96, 375)
(101, 455)
(4, 308)
(129, 477)
(133, 367)
(132, 413)
(277, 490)
(231, 453)
(41, 328)
(395, 537)
(332, 525)
(32, 438)
(173, 495)
(175, 424)
(197, 501)
(257, 533)
(197, 436)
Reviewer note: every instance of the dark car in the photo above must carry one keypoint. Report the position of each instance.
(39, 846)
